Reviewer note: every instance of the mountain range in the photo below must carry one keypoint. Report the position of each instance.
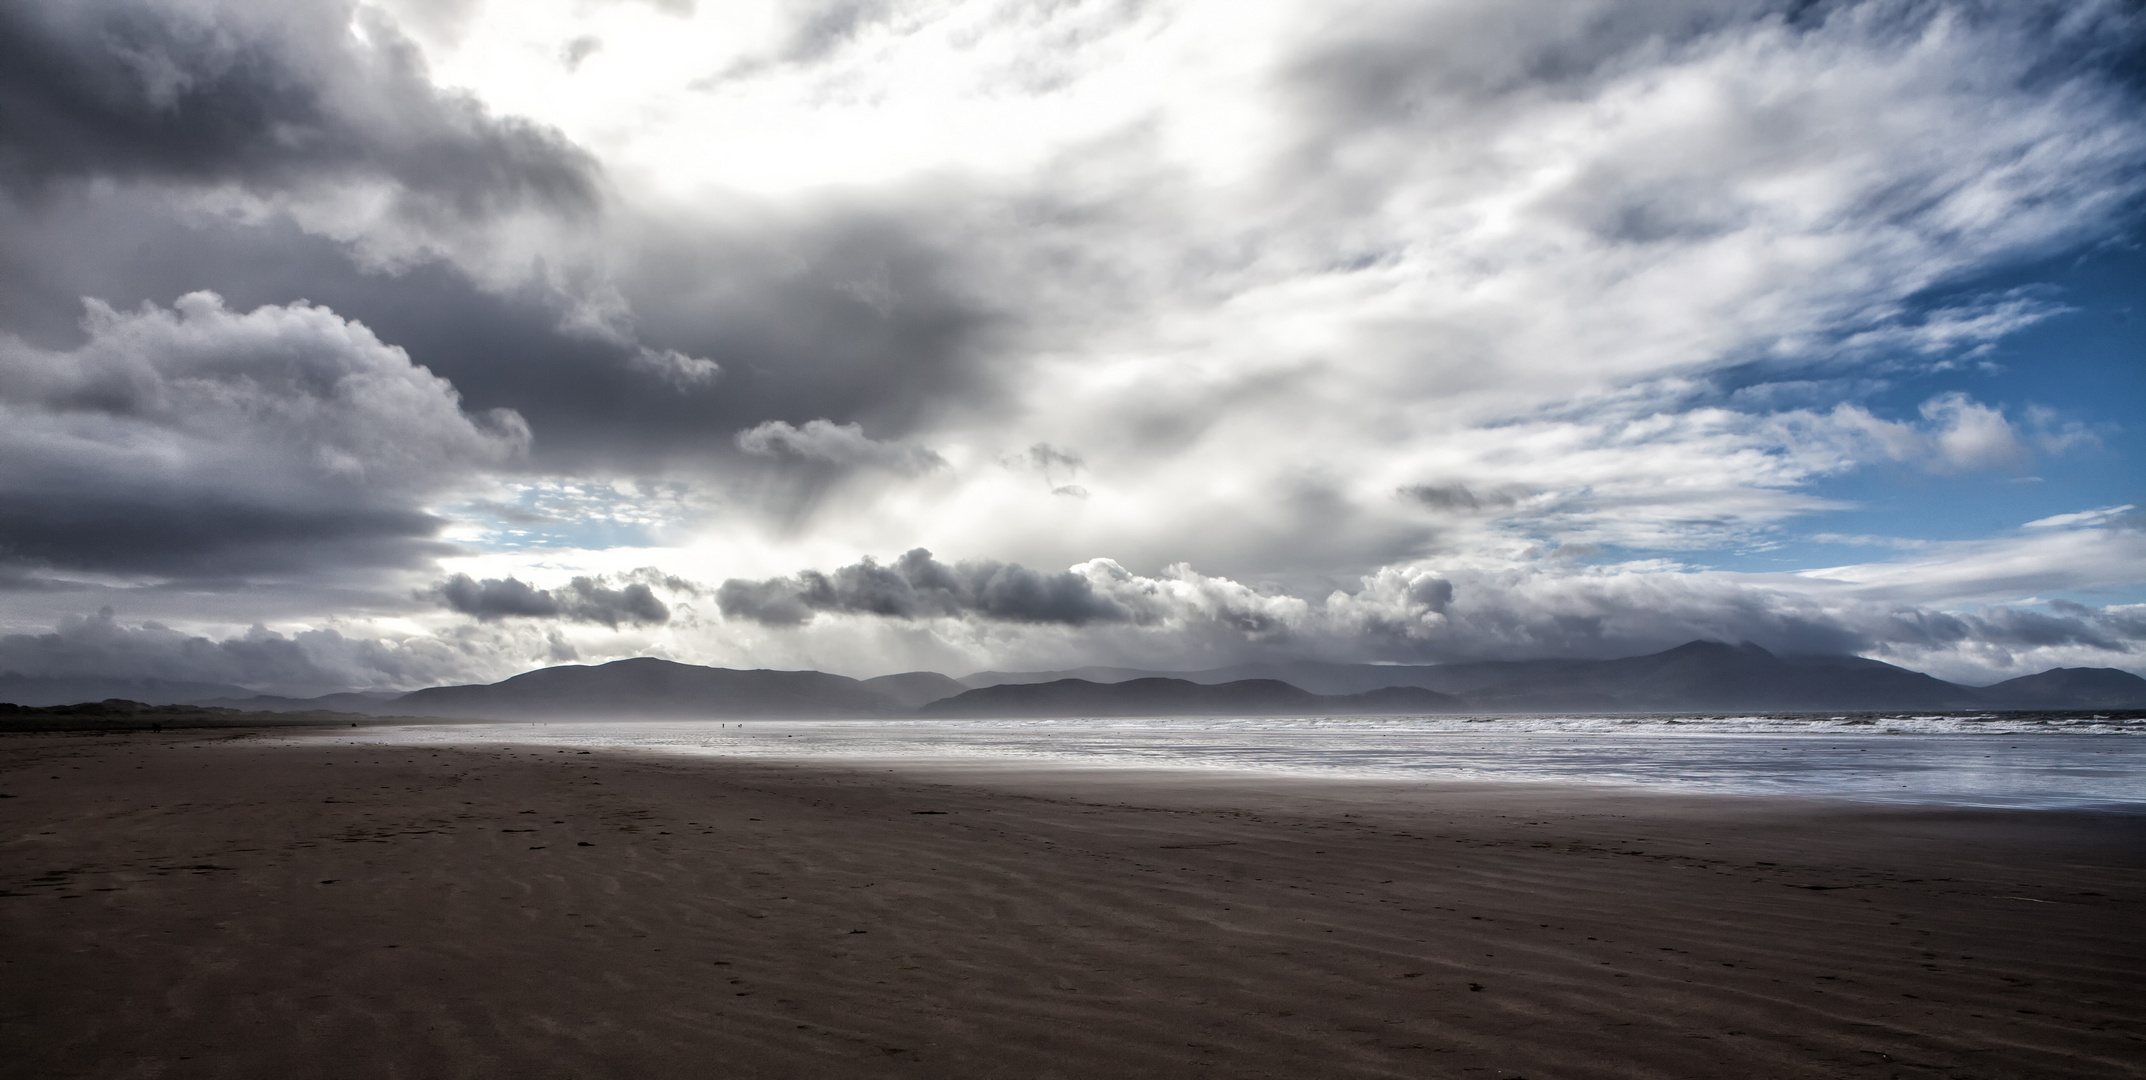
(1701, 676)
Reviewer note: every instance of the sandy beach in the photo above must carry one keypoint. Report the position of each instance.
(218, 905)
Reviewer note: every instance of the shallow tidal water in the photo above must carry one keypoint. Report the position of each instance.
(2069, 760)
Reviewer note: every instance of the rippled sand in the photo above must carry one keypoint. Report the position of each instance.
(187, 906)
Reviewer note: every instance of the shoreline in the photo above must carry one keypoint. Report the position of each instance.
(1937, 768)
(188, 905)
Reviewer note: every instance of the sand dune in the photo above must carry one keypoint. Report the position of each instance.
(239, 907)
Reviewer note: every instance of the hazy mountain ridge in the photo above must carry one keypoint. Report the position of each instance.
(1316, 676)
(37, 691)
(1695, 677)
(652, 689)
(364, 704)
(1706, 676)
(2089, 688)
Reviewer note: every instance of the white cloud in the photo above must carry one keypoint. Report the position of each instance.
(2050, 561)
(2097, 516)
(1971, 435)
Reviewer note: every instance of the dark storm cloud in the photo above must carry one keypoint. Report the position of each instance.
(790, 316)
(583, 599)
(850, 313)
(853, 318)
(495, 598)
(917, 586)
(853, 311)
(197, 441)
(268, 97)
(132, 529)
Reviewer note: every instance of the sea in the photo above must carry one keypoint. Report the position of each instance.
(2048, 760)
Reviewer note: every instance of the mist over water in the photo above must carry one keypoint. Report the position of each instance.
(2051, 760)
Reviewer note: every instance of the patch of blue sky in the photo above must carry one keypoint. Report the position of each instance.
(585, 515)
(2072, 382)
(2068, 371)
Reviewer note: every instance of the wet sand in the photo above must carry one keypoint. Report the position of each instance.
(189, 905)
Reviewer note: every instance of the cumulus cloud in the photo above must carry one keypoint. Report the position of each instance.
(917, 586)
(1099, 592)
(837, 444)
(1971, 435)
(197, 440)
(1958, 434)
(583, 599)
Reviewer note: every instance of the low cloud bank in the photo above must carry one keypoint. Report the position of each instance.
(1429, 613)
(917, 611)
(306, 663)
(584, 599)
(917, 586)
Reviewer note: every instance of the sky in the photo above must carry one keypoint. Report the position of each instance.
(385, 345)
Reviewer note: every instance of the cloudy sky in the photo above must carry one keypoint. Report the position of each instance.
(387, 344)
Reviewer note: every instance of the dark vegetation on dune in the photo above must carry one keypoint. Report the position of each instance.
(38, 690)
(1701, 676)
(119, 714)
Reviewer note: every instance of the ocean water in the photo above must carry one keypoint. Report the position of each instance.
(2048, 760)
